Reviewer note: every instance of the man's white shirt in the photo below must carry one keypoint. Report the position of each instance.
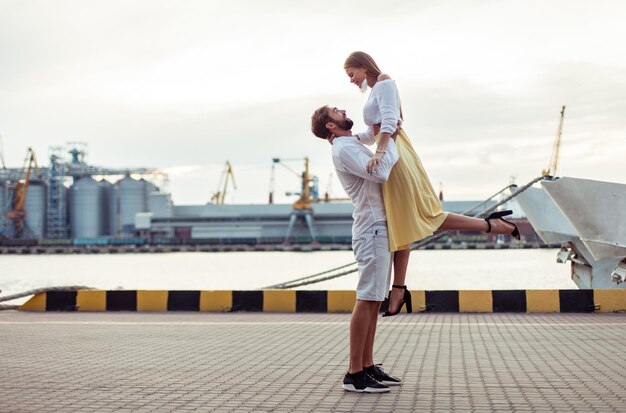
(350, 158)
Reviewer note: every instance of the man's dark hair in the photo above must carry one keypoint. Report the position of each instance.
(318, 122)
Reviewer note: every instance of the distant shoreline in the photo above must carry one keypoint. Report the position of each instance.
(159, 248)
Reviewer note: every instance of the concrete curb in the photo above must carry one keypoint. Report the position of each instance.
(332, 301)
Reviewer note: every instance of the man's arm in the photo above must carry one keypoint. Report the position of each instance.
(367, 137)
(354, 161)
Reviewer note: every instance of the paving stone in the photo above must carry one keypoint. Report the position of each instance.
(159, 362)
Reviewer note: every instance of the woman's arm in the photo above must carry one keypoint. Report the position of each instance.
(380, 150)
(387, 99)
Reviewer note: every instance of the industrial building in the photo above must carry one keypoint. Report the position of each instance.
(65, 200)
(95, 206)
(269, 223)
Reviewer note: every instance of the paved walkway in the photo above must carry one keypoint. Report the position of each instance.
(81, 362)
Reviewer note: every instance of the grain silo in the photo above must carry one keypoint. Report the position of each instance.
(132, 199)
(36, 201)
(150, 187)
(87, 208)
(109, 207)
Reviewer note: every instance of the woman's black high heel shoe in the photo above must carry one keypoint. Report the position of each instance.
(501, 215)
(405, 300)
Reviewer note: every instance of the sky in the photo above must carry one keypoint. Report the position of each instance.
(186, 86)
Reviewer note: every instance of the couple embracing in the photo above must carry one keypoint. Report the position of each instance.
(394, 206)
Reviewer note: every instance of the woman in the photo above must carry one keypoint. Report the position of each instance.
(412, 206)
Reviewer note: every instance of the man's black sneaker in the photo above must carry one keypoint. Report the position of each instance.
(361, 382)
(377, 372)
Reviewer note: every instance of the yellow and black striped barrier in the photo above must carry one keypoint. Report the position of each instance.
(290, 301)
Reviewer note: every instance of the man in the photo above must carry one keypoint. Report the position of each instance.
(369, 242)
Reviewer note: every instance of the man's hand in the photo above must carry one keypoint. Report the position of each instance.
(374, 162)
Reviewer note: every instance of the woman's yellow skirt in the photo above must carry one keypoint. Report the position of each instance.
(412, 206)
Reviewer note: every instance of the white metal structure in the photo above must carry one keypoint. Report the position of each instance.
(589, 219)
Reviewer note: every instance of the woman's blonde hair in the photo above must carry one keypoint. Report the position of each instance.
(362, 59)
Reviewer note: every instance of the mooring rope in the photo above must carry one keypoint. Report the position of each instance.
(311, 279)
(312, 276)
(37, 291)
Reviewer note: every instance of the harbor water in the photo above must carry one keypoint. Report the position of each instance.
(428, 270)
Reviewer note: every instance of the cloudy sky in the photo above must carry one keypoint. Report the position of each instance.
(187, 85)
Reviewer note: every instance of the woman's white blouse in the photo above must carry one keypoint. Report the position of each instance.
(383, 106)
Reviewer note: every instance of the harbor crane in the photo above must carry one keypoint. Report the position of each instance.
(219, 196)
(20, 190)
(554, 159)
(309, 191)
(310, 185)
(329, 190)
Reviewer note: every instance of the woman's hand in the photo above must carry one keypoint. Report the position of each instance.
(374, 162)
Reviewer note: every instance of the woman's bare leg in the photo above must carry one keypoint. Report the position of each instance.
(452, 222)
(465, 223)
(400, 265)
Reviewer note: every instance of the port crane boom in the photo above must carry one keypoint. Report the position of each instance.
(20, 190)
(309, 184)
(554, 159)
(219, 196)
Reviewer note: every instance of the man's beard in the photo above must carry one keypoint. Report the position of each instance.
(346, 124)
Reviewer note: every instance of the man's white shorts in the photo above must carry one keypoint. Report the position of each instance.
(371, 250)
